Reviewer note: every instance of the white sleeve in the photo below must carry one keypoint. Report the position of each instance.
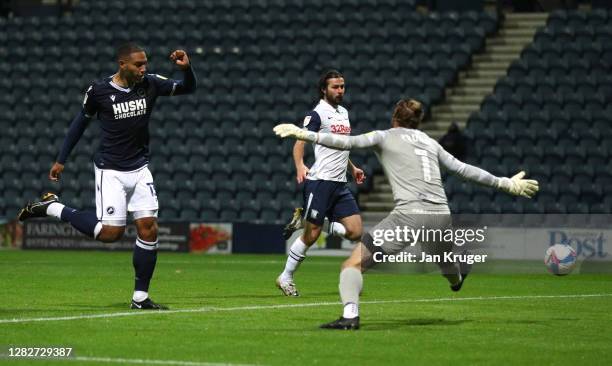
(343, 142)
(466, 171)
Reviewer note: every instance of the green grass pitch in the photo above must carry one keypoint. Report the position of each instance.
(235, 315)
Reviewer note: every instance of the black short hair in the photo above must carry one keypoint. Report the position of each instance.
(126, 49)
(322, 85)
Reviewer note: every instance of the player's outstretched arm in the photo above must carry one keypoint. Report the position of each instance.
(341, 142)
(77, 127)
(516, 185)
(189, 83)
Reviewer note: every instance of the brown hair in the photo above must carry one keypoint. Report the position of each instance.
(408, 113)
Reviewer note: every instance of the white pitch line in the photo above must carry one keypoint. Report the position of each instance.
(147, 362)
(271, 262)
(284, 306)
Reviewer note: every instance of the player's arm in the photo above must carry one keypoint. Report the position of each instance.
(298, 158)
(170, 87)
(189, 83)
(77, 128)
(312, 122)
(342, 142)
(515, 185)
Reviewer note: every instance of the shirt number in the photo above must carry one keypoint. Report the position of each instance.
(424, 164)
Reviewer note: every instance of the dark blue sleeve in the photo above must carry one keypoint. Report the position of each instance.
(90, 106)
(169, 87)
(312, 122)
(77, 127)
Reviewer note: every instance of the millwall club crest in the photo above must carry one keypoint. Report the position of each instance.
(112, 97)
(140, 92)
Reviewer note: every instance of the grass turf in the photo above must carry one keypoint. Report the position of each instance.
(517, 329)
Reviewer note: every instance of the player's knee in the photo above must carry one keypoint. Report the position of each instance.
(354, 228)
(110, 234)
(148, 230)
(352, 262)
(354, 233)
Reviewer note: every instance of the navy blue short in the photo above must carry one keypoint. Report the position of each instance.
(324, 198)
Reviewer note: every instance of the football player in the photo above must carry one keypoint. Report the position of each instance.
(123, 103)
(411, 161)
(325, 193)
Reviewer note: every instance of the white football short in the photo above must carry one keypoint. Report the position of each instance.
(118, 193)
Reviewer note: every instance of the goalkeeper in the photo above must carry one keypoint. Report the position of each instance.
(411, 161)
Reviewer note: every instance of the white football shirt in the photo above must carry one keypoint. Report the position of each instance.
(330, 164)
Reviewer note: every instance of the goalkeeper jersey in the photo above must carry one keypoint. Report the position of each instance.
(411, 161)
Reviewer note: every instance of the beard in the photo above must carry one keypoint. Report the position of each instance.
(335, 100)
(134, 78)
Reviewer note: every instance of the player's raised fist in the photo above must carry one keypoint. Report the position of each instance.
(180, 58)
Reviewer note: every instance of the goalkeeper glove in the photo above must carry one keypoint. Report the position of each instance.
(290, 130)
(519, 186)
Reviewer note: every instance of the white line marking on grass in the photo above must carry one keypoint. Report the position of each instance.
(224, 262)
(275, 262)
(207, 261)
(147, 362)
(285, 306)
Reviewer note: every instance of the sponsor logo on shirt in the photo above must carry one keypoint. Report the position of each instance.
(340, 129)
(132, 108)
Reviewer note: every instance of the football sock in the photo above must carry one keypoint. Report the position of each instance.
(140, 296)
(297, 253)
(55, 210)
(351, 310)
(336, 228)
(351, 283)
(143, 259)
(84, 221)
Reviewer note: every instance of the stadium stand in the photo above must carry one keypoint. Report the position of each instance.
(550, 116)
(255, 67)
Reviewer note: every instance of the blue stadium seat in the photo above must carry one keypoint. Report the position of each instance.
(237, 39)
